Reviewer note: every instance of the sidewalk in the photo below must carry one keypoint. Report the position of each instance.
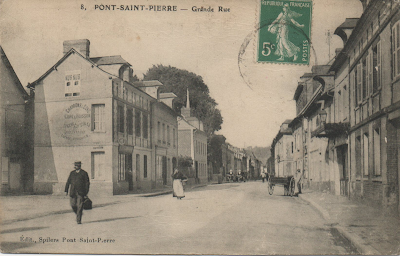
(27, 207)
(366, 227)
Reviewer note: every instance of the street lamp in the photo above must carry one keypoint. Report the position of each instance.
(322, 115)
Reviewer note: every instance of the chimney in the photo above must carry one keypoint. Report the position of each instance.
(167, 98)
(81, 45)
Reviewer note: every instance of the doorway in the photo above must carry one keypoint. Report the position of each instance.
(164, 170)
(343, 170)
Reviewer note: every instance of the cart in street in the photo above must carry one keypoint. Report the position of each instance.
(287, 182)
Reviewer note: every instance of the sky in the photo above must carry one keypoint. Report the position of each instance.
(253, 104)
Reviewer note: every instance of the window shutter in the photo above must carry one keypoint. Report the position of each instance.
(93, 117)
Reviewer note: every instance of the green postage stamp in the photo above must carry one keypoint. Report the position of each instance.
(284, 32)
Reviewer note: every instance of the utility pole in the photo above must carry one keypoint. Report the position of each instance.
(328, 41)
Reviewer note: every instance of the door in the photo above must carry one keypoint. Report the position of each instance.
(164, 170)
(197, 170)
(343, 170)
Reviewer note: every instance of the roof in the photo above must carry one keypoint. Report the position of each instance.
(152, 83)
(349, 23)
(54, 67)
(11, 69)
(109, 60)
(287, 121)
(167, 95)
(307, 75)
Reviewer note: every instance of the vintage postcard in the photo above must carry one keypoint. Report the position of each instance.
(212, 127)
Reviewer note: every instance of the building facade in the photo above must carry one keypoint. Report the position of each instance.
(192, 142)
(283, 148)
(89, 109)
(15, 132)
(371, 54)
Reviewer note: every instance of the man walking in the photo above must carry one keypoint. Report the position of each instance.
(79, 181)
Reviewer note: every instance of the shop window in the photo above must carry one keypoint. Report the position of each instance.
(98, 122)
(365, 154)
(377, 152)
(121, 167)
(145, 166)
(98, 167)
(72, 86)
(358, 156)
(137, 167)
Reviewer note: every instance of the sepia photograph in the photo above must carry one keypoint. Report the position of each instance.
(200, 127)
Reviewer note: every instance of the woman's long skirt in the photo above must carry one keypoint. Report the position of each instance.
(178, 188)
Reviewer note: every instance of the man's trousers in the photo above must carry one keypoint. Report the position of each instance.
(77, 206)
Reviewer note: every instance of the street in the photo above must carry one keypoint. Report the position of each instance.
(230, 218)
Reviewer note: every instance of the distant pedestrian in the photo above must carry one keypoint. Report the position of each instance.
(177, 184)
(79, 181)
(298, 181)
(263, 176)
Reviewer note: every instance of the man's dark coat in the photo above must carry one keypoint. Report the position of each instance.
(79, 182)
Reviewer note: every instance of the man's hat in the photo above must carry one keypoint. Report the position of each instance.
(77, 163)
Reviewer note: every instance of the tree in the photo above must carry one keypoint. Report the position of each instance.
(178, 81)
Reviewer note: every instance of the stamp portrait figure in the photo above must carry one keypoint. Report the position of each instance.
(280, 27)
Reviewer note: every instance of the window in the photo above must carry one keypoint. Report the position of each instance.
(98, 124)
(364, 79)
(163, 133)
(173, 137)
(292, 147)
(137, 167)
(377, 152)
(121, 166)
(365, 154)
(138, 123)
(121, 119)
(129, 121)
(98, 168)
(145, 166)
(168, 136)
(145, 126)
(396, 49)
(159, 131)
(72, 86)
(358, 156)
(358, 83)
(376, 63)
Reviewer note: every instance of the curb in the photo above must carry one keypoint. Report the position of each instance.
(355, 240)
(320, 210)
